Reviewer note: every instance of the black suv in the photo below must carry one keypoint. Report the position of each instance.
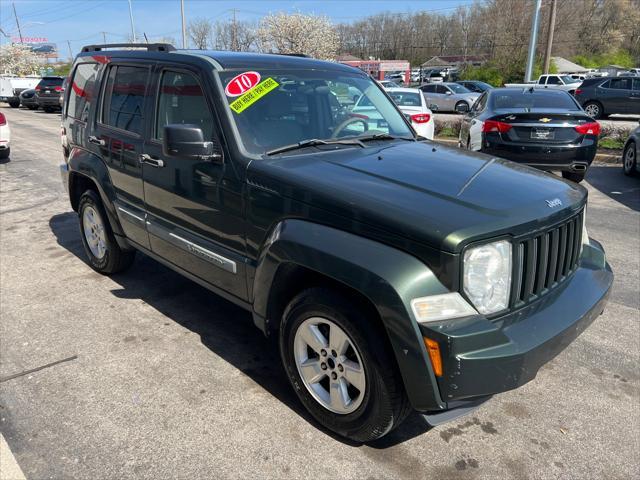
(48, 93)
(604, 96)
(396, 274)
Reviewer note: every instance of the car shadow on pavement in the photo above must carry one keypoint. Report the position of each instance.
(612, 182)
(224, 328)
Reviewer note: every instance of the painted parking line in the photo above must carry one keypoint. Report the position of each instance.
(9, 468)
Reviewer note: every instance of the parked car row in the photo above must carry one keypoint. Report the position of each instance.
(47, 95)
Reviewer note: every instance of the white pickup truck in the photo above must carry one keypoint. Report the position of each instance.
(559, 82)
(11, 86)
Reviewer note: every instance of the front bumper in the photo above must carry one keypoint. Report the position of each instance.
(483, 357)
(567, 157)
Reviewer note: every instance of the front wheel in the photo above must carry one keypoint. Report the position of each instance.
(104, 253)
(573, 176)
(462, 107)
(629, 160)
(340, 366)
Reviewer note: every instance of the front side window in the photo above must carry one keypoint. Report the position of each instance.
(124, 95)
(458, 88)
(82, 90)
(181, 100)
(288, 106)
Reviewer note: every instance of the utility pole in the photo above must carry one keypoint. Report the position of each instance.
(184, 25)
(234, 33)
(552, 26)
(531, 58)
(17, 22)
(70, 52)
(104, 37)
(133, 29)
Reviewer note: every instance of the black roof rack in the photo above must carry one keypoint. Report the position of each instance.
(151, 47)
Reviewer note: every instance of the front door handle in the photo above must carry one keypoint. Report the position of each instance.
(149, 160)
(96, 141)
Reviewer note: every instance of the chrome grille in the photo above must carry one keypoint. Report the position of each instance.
(545, 259)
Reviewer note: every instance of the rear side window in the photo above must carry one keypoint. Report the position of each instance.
(636, 84)
(82, 91)
(124, 94)
(619, 84)
(429, 88)
(553, 81)
(181, 100)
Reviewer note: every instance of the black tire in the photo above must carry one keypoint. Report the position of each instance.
(32, 107)
(460, 105)
(114, 259)
(14, 103)
(574, 176)
(629, 159)
(594, 109)
(384, 403)
(47, 109)
(5, 153)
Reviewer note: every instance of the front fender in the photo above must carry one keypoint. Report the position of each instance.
(388, 277)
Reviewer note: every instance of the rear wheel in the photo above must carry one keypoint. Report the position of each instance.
(14, 103)
(48, 109)
(462, 107)
(629, 159)
(105, 255)
(573, 176)
(593, 109)
(32, 107)
(5, 153)
(340, 366)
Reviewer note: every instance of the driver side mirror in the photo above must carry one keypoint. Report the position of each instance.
(187, 141)
(449, 92)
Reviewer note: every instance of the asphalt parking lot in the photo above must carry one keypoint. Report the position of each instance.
(158, 378)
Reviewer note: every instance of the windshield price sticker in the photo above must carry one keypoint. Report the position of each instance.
(253, 95)
(242, 83)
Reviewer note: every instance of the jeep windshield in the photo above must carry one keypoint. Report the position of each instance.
(298, 109)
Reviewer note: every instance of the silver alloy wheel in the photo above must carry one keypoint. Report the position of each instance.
(329, 364)
(94, 232)
(593, 110)
(629, 158)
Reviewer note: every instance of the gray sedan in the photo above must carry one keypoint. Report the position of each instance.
(449, 97)
(630, 153)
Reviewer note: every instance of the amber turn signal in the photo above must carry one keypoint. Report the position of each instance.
(434, 355)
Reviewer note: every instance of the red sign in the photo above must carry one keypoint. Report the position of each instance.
(242, 83)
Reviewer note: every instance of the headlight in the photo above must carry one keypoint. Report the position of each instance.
(487, 276)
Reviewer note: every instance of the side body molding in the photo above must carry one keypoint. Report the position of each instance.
(388, 277)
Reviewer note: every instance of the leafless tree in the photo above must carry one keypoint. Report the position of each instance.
(200, 33)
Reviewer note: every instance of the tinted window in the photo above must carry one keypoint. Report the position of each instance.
(428, 88)
(619, 84)
(541, 80)
(406, 99)
(181, 100)
(458, 88)
(50, 82)
(124, 98)
(636, 84)
(480, 103)
(517, 99)
(81, 94)
(441, 89)
(553, 81)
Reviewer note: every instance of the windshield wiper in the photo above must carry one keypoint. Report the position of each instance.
(312, 142)
(383, 136)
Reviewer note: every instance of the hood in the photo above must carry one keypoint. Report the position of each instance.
(440, 196)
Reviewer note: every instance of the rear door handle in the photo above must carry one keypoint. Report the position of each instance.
(96, 141)
(149, 160)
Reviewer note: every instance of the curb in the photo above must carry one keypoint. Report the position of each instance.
(602, 156)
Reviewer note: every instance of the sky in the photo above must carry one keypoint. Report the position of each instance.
(81, 22)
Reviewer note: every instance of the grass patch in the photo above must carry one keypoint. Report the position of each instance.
(448, 132)
(611, 143)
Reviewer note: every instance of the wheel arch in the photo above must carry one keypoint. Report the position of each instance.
(88, 172)
(299, 254)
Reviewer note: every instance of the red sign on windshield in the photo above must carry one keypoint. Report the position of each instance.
(242, 83)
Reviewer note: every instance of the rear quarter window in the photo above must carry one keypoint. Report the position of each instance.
(81, 91)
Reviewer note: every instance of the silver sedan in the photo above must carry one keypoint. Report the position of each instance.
(449, 96)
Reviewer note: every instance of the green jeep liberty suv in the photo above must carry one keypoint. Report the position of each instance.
(396, 273)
